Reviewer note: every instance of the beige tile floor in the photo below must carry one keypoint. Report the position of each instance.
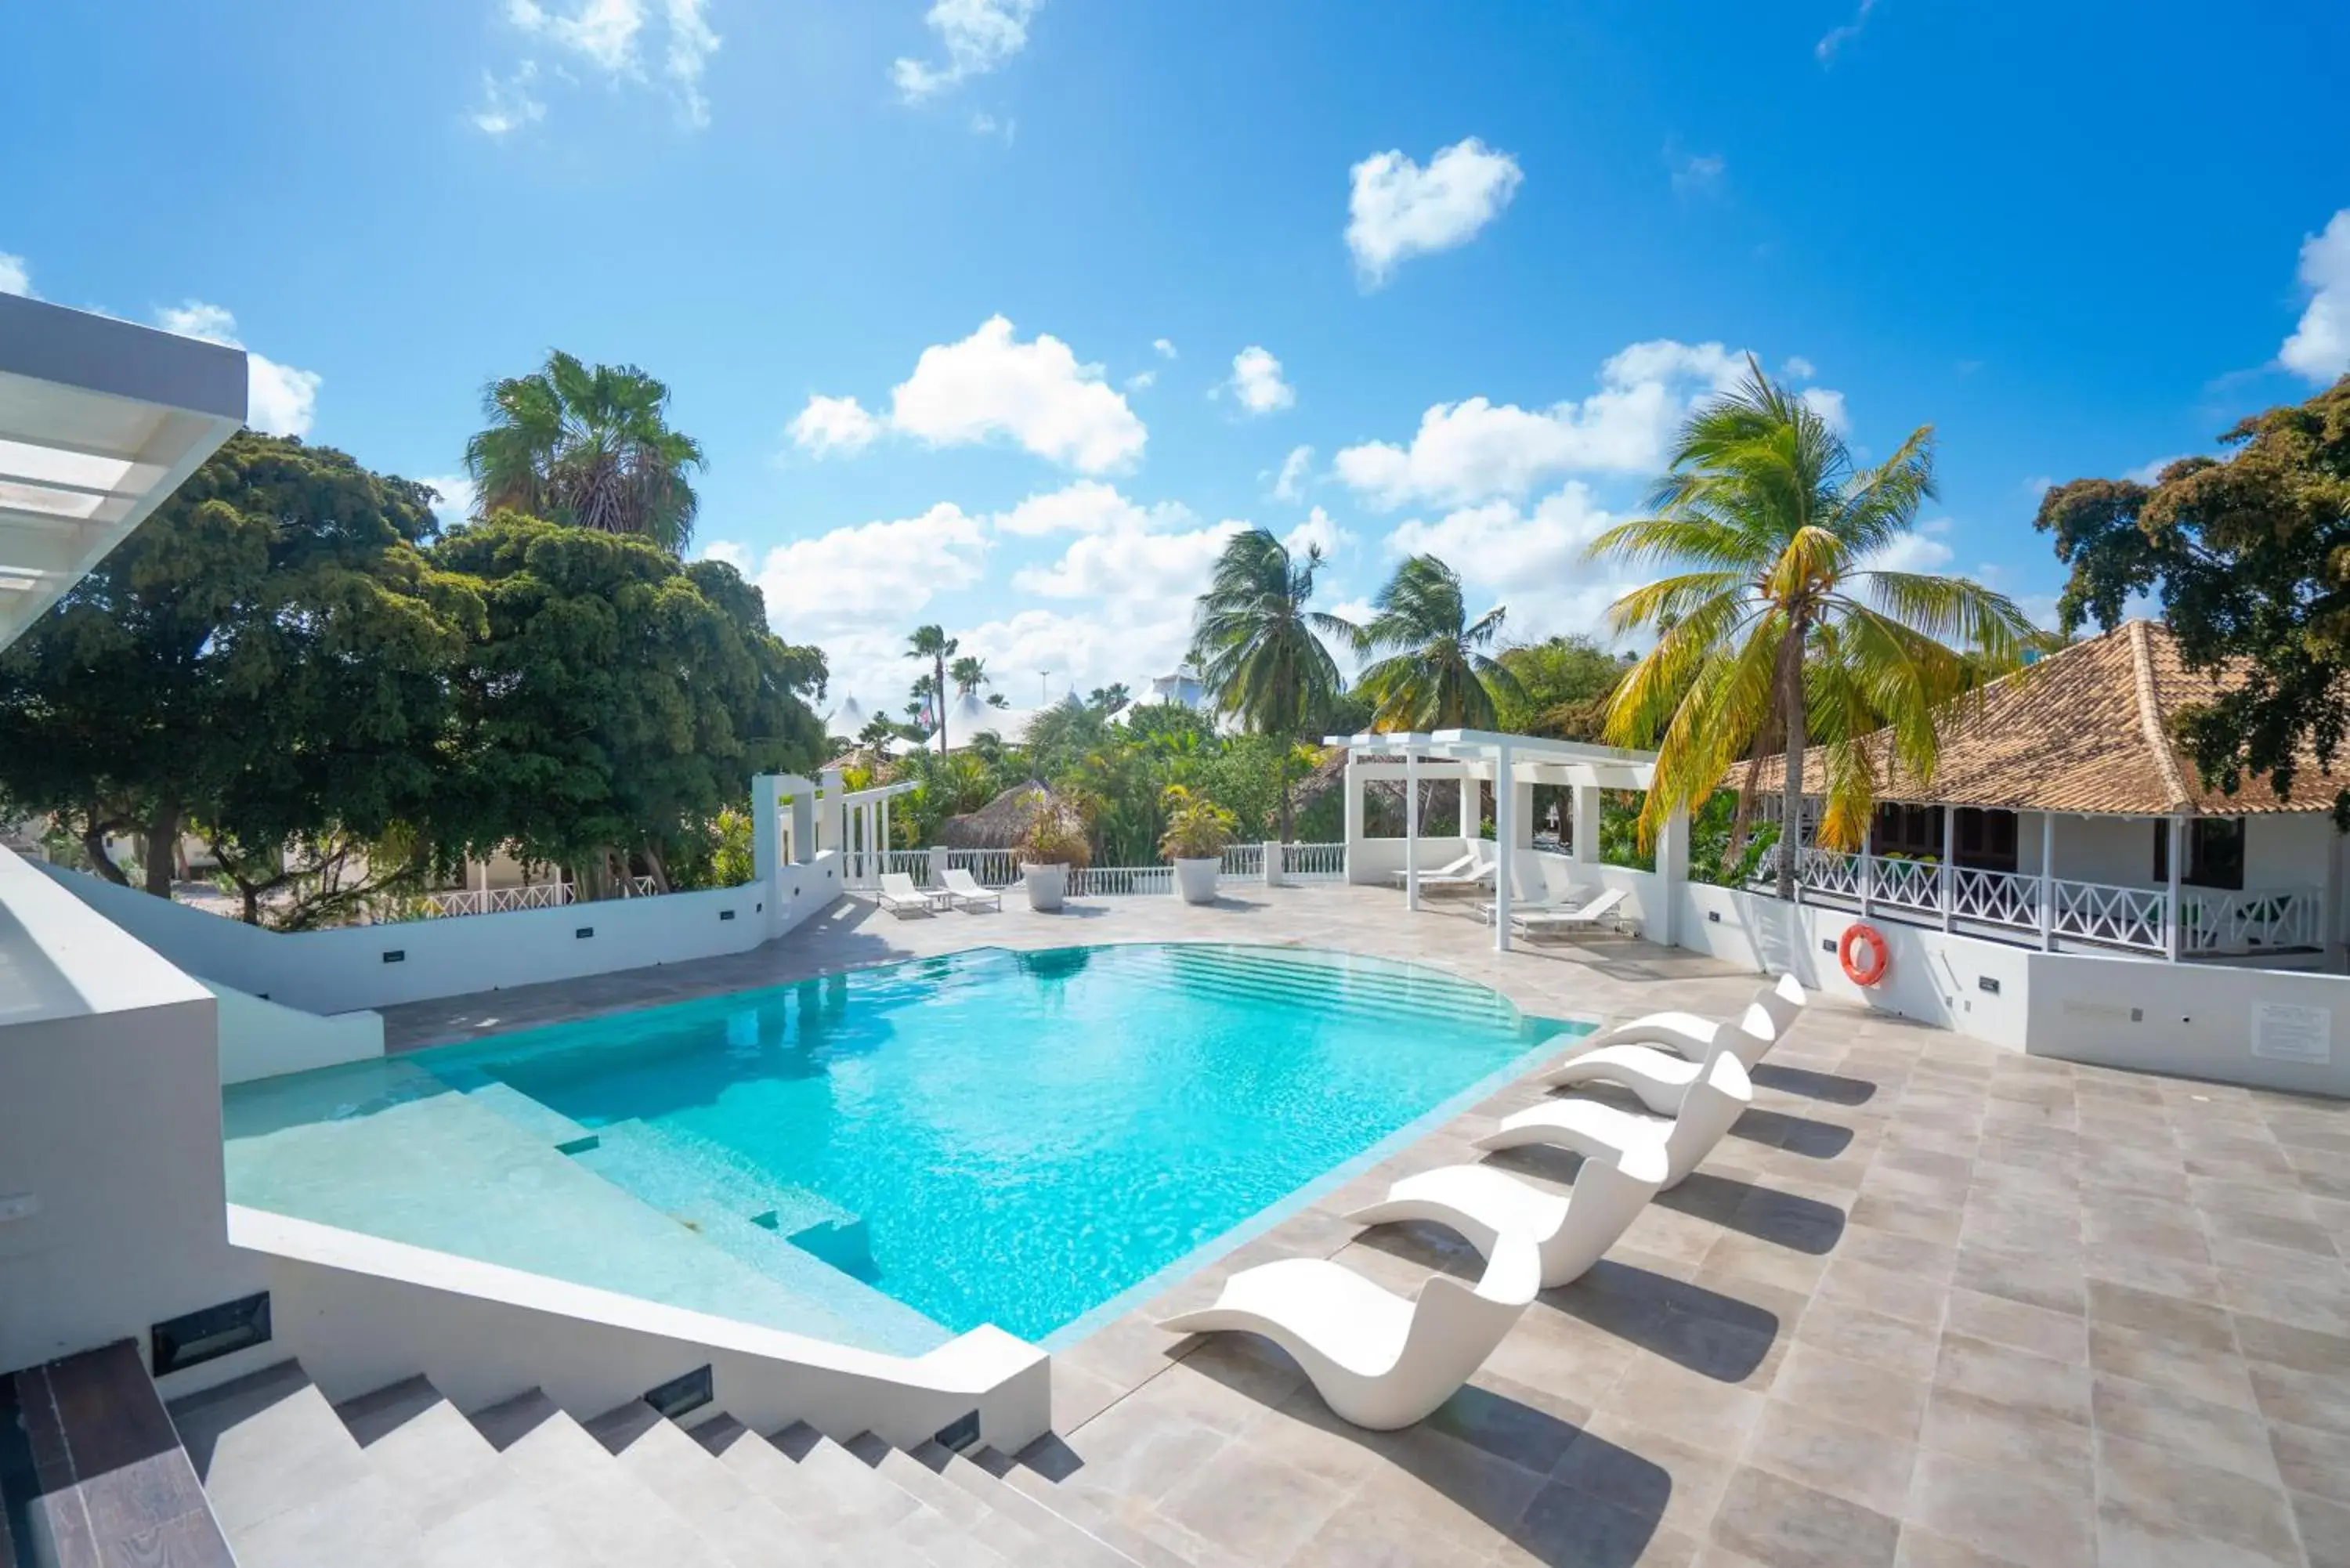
(1932, 1304)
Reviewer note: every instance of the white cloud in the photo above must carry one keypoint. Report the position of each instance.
(2319, 349)
(1829, 406)
(829, 425)
(1531, 560)
(977, 34)
(1925, 548)
(1130, 567)
(1699, 174)
(1836, 37)
(1473, 450)
(1142, 380)
(508, 106)
(1088, 506)
(1256, 382)
(1078, 650)
(1319, 531)
(1290, 483)
(726, 550)
(456, 503)
(1166, 350)
(990, 384)
(985, 124)
(1797, 368)
(1397, 210)
(2151, 470)
(603, 32)
(15, 276)
(690, 45)
(279, 400)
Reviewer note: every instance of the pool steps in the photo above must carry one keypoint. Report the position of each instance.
(1351, 993)
(399, 1476)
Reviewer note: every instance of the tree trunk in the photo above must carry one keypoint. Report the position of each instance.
(93, 844)
(939, 695)
(163, 849)
(1790, 792)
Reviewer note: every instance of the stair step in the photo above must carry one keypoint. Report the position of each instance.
(724, 1508)
(918, 1472)
(562, 1467)
(286, 1479)
(424, 1450)
(857, 1527)
(918, 1527)
(1062, 1540)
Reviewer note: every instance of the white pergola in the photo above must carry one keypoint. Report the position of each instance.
(99, 421)
(1485, 756)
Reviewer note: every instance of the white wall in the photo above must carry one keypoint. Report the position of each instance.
(345, 969)
(109, 1132)
(2194, 1019)
(262, 1039)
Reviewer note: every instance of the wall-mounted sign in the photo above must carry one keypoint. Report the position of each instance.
(2284, 1033)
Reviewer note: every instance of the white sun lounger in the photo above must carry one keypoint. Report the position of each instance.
(1484, 1203)
(898, 893)
(1764, 1022)
(1482, 865)
(962, 889)
(1708, 1109)
(1583, 914)
(1379, 1360)
(1452, 870)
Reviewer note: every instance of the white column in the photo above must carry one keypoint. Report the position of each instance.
(1586, 828)
(1272, 869)
(1948, 880)
(2174, 930)
(1505, 847)
(1672, 874)
(832, 823)
(881, 838)
(1354, 830)
(2047, 881)
(1411, 830)
(766, 831)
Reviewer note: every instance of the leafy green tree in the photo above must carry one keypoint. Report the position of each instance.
(619, 699)
(587, 446)
(1109, 699)
(2250, 557)
(262, 663)
(1431, 669)
(932, 643)
(1564, 684)
(1259, 647)
(969, 674)
(1782, 631)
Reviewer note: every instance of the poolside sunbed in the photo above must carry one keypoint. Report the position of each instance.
(1484, 1203)
(1705, 1111)
(1564, 916)
(961, 890)
(898, 893)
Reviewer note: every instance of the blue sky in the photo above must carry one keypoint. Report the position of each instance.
(1490, 251)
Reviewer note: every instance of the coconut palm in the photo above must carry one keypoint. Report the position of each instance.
(931, 642)
(587, 447)
(1788, 627)
(1431, 671)
(1259, 647)
(969, 674)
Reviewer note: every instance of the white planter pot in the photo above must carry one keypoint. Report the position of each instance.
(1196, 879)
(1048, 885)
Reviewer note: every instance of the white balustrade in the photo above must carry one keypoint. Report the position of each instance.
(1313, 862)
(2214, 922)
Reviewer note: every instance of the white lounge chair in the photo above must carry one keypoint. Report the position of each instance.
(1763, 1025)
(898, 895)
(1379, 1360)
(1582, 915)
(1482, 865)
(1708, 1109)
(1572, 1232)
(1450, 869)
(962, 889)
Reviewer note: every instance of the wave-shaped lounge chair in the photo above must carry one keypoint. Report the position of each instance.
(1708, 1108)
(898, 893)
(1767, 1018)
(1484, 1204)
(962, 889)
(1377, 1359)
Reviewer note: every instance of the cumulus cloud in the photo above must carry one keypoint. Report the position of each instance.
(1289, 484)
(977, 35)
(1256, 382)
(456, 501)
(1088, 506)
(1397, 210)
(830, 425)
(1475, 450)
(1796, 368)
(1838, 37)
(2319, 349)
(1166, 350)
(1131, 567)
(603, 37)
(1318, 531)
(279, 399)
(1829, 406)
(1532, 559)
(507, 106)
(1925, 548)
(15, 276)
(992, 386)
(2148, 472)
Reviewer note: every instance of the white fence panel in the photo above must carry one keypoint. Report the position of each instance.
(1314, 862)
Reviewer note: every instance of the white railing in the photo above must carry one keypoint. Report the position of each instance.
(2212, 922)
(864, 868)
(988, 867)
(1314, 862)
(502, 900)
(1244, 860)
(1120, 881)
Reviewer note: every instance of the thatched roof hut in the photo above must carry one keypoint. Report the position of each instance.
(997, 825)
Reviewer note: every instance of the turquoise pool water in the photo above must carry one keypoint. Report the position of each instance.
(900, 1153)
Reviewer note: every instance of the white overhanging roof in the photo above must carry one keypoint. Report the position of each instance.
(99, 421)
(1534, 759)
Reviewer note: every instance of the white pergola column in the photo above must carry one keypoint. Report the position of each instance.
(2174, 929)
(1505, 842)
(1356, 783)
(1585, 828)
(767, 829)
(1672, 866)
(1411, 830)
(2047, 881)
(881, 838)
(1948, 880)
(831, 824)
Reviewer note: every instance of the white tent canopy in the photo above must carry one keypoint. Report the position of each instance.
(99, 421)
(848, 720)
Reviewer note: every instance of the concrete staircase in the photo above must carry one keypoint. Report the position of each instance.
(401, 1477)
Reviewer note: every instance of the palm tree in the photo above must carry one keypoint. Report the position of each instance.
(970, 673)
(1435, 673)
(587, 447)
(1785, 629)
(931, 642)
(1256, 646)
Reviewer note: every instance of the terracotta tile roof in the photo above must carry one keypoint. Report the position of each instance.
(2086, 730)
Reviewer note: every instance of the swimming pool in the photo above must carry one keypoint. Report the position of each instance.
(891, 1156)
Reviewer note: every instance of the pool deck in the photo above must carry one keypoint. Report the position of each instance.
(1933, 1304)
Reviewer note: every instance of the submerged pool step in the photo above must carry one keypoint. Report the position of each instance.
(1364, 988)
(1364, 998)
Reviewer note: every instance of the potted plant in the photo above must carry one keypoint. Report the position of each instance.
(1198, 830)
(1053, 841)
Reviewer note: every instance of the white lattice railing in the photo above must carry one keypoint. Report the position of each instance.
(2002, 897)
(502, 900)
(988, 867)
(2230, 922)
(1001, 868)
(1912, 884)
(1244, 860)
(2098, 912)
(864, 868)
(1313, 862)
(1121, 881)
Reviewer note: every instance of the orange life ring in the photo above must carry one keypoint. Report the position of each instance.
(1880, 957)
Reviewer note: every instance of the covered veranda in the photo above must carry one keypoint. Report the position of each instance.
(1480, 761)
